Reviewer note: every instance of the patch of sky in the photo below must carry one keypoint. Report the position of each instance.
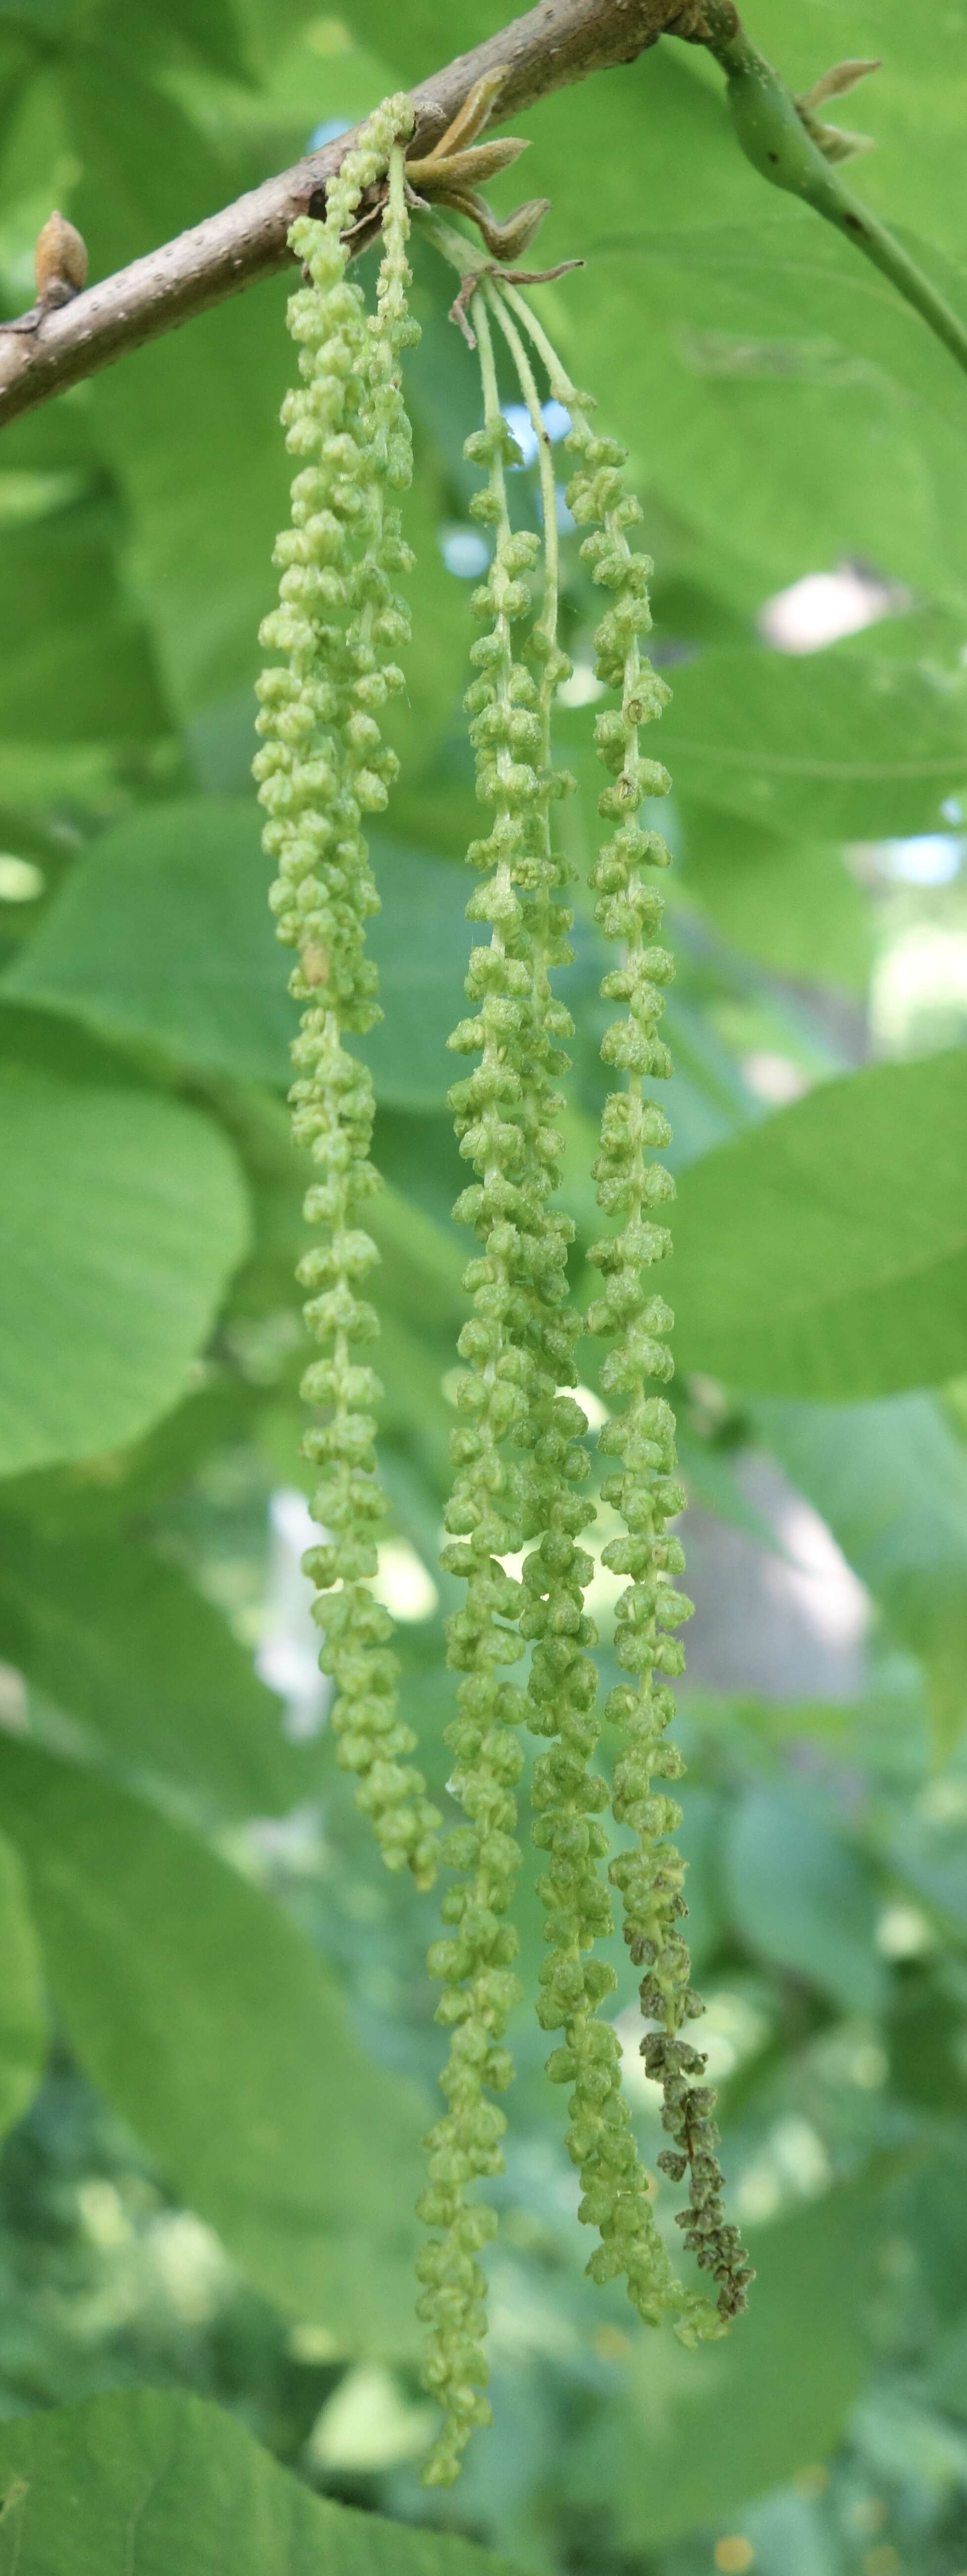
(556, 421)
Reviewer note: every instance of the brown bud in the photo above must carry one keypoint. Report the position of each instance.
(60, 261)
(504, 241)
(438, 171)
(834, 84)
(471, 118)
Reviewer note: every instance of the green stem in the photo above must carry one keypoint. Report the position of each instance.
(495, 291)
(463, 255)
(774, 138)
(557, 376)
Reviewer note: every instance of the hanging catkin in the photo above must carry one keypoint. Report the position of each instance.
(569, 1794)
(519, 1452)
(644, 1490)
(323, 770)
(490, 1508)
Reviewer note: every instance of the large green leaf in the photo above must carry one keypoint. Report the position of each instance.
(437, 663)
(800, 1896)
(75, 662)
(150, 2484)
(891, 1481)
(707, 2431)
(118, 1638)
(18, 69)
(204, 2017)
(792, 906)
(211, 32)
(825, 1252)
(190, 424)
(769, 337)
(23, 2012)
(836, 745)
(421, 941)
(163, 935)
(125, 1217)
(700, 1843)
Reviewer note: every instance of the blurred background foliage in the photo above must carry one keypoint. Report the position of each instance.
(216, 2040)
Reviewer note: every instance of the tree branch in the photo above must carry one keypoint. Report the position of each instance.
(558, 42)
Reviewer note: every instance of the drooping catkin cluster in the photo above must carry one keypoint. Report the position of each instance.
(641, 1434)
(568, 1795)
(324, 768)
(519, 1451)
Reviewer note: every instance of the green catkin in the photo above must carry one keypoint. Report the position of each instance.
(520, 1343)
(323, 769)
(487, 1512)
(568, 1795)
(644, 1490)
(518, 1452)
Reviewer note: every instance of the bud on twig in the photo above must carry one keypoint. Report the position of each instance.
(835, 84)
(835, 142)
(60, 262)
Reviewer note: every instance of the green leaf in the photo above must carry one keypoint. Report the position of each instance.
(930, 1854)
(891, 1481)
(119, 1639)
(791, 2534)
(23, 2012)
(438, 662)
(769, 336)
(793, 907)
(211, 32)
(894, 2425)
(922, 2031)
(838, 745)
(75, 662)
(824, 1253)
(801, 1897)
(713, 1486)
(421, 942)
(700, 1843)
(145, 2483)
(288, 47)
(126, 1217)
(707, 1097)
(207, 2021)
(706, 2432)
(163, 936)
(189, 425)
(44, 17)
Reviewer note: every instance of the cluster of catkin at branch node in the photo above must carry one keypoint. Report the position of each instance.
(518, 1509)
(324, 769)
(569, 1796)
